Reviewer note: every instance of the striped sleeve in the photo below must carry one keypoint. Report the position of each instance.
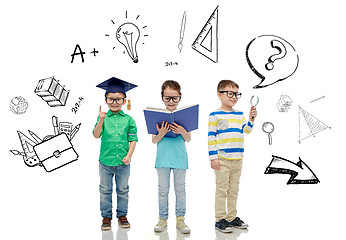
(212, 130)
(247, 125)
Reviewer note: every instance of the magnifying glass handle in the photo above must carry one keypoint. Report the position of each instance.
(270, 138)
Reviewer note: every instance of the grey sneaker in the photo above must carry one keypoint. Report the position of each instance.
(237, 223)
(161, 225)
(181, 226)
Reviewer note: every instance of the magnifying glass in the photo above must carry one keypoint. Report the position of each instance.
(254, 101)
(268, 127)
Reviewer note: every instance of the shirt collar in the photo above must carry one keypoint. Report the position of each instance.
(110, 113)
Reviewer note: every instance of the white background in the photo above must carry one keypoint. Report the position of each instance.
(37, 40)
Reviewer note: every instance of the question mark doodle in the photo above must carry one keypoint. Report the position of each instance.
(282, 53)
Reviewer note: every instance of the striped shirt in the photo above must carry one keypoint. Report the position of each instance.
(226, 134)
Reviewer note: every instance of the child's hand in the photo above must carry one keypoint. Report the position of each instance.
(126, 160)
(165, 127)
(215, 164)
(177, 129)
(102, 115)
(253, 113)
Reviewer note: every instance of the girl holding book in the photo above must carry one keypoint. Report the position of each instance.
(171, 156)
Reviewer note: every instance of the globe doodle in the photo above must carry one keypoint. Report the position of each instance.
(19, 105)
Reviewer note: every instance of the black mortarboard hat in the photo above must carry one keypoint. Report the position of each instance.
(114, 85)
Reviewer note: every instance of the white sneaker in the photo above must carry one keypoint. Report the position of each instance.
(181, 226)
(161, 225)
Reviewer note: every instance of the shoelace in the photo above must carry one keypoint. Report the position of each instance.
(106, 221)
(237, 221)
(161, 223)
(181, 224)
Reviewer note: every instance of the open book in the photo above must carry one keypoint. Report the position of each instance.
(186, 117)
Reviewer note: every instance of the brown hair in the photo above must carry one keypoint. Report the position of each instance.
(224, 83)
(170, 84)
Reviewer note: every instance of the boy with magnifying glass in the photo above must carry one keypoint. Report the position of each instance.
(226, 147)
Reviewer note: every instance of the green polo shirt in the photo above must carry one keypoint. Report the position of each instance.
(118, 129)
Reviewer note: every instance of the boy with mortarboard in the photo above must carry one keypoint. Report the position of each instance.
(118, 134)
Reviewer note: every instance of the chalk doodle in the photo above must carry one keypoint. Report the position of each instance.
(300, 172)
(271, 58)
(19, 105)
(182, 32)
(128, 34)
(51, 152)
(284, 103)
(50, 90)
(206, 42)
(312, 126)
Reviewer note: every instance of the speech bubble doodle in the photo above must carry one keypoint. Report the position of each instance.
(271, 58)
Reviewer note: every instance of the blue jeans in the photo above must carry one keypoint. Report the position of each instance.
(121, 175)
(179, 187)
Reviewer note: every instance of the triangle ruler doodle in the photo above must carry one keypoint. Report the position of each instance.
(312, 126)
(206, 42)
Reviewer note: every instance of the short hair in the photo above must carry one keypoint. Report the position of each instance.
(224, 83)
(170, 84)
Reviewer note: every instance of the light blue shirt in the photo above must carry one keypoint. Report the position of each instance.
(171, 153)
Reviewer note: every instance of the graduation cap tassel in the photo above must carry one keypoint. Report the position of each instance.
(129, 104)
(129, 101)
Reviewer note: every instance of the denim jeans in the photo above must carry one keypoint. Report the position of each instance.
(121, 175)
(179, 187)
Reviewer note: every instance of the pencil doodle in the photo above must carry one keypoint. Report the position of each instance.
(284, 103)
(300, 172)
(50, 90)
(51, 152)
(182, 32)
(312, 126)
(271, 58)
(317, 99)
(268, 127)
(128, 34)
(206, 42)
(19, 105)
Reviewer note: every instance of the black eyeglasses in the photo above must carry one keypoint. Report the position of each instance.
(117, 100)
(230, 94)
(175, 99)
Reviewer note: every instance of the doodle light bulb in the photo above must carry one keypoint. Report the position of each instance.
(128, 34)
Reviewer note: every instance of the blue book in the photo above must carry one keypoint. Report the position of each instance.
(186, 117)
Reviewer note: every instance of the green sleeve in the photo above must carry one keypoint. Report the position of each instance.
(132, 132)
